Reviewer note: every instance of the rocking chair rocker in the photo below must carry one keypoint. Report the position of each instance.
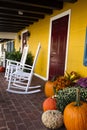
(11, 65)
(20, 80)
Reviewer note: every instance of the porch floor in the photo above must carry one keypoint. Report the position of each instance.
(21, 112)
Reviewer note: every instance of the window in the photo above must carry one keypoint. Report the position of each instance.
(10, 46)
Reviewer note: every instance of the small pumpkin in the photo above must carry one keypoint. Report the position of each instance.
(49, 88)
(2, 69)
(75, 115)
(49, 104)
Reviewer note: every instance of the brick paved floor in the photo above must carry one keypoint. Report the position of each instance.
(21, 112)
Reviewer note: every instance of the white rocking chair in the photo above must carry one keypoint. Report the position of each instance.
(20, 80)
(11, 65)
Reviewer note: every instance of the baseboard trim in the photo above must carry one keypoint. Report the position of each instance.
(39, 76)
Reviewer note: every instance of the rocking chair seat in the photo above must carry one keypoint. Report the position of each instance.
(11, 64)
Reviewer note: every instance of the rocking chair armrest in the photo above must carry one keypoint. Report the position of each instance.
(12, 61)
(26, 65)
(22, 67)
(26, 68)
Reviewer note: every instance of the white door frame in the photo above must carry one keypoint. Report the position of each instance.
(68, 12)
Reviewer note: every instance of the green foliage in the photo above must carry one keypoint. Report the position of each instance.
(29, 59)
(16, 55)
(68, 95)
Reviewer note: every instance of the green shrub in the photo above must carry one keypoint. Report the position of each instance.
(68, 95)
(29, 59)
(16, 55)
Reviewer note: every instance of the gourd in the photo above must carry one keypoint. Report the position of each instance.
(49, 104)
(49, 90)
(52, 119)
(75, 114)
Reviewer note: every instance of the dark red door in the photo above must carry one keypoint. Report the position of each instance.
(58, 46)
(24, 40)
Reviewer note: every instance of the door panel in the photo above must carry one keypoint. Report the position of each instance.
(58, 46)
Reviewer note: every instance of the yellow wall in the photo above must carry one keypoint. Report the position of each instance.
(17, 44)
(17, 41)
(40, 32)
(77, 37)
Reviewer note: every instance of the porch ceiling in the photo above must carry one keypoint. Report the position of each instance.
(18, 14)
(4, 40)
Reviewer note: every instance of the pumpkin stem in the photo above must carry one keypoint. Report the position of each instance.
(78, 103)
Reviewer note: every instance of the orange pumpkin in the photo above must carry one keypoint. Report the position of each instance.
(75, 115)
(2, 69)
(49, 90)
(49, 104)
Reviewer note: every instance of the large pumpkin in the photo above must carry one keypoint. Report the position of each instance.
(49, 90)
(49, 104)
(75, 115)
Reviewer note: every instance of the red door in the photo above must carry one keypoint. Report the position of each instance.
(58, 46)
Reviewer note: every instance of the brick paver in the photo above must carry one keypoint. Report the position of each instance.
(20, 112)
